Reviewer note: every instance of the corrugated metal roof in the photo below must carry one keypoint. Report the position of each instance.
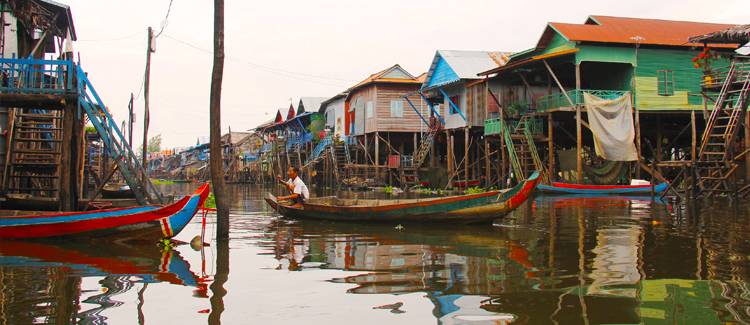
(326, 102)
(309, 104)
(609, 29)
(465, 64)
(378, 77)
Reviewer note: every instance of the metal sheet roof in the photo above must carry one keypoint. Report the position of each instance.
(309, 104)
(466, 64)
(624, 30)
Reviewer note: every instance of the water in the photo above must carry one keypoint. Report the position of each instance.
(563, 260)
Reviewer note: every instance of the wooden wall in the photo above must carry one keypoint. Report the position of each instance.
(410, 121)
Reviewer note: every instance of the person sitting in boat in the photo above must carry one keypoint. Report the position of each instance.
(296, 186)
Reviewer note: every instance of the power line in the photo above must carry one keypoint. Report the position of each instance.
(286, 73)
(165, 21)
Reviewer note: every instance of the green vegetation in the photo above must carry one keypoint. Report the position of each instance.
(389, 190)
(474, 190)
(210, 201)
(90, 129)
(161, 181)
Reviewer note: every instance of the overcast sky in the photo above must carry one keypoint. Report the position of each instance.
(277, 50)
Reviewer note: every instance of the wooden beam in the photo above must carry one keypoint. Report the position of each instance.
(48, 101)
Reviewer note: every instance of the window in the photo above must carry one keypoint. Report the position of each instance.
(397, 108)
(456, 100)
(665, 82)
(370, 109)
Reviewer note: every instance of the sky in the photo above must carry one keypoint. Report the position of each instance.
(278, 51)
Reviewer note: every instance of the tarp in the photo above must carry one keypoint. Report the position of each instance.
(611, 122)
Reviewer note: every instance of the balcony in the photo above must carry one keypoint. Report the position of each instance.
(493, 126)
(558, 100)
(35, 76)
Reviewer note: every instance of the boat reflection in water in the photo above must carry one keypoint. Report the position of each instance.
(45, 279)
(563, 260)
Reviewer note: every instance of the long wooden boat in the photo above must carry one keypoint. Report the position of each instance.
(565, 188)
(471, 208)
(142, 222)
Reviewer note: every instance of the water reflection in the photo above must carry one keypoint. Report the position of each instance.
(41, 282)
(560, 260)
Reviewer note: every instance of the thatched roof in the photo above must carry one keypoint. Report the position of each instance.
(739, 34)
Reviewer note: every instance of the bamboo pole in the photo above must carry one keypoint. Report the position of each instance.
(579, 144)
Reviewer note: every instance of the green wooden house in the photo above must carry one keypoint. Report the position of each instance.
(608, 57)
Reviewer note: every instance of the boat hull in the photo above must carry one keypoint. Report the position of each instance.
(472, 208)
(144, 222)
(560, 188)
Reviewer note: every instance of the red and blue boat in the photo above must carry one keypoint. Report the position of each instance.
(149, 222)
(566, 188)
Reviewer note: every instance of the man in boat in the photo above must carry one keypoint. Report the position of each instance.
(296, 186)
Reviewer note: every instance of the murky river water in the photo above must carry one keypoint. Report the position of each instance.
(558, 260)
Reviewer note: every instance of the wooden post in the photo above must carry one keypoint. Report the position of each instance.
(747, 146)
(377, 154)
(216, 162)
(146, 115)
(487, 168)
(659, 146)
(579, 145)
(466, 154)
(694, 136)
(550, 147)
(65, 194)
(638, 141)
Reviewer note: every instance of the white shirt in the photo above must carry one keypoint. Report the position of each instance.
(299, 187)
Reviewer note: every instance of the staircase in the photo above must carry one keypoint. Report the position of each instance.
(115, 143)
(340, 157)
(409, 173)
(715, 162)
(522, 151)
(33, 160)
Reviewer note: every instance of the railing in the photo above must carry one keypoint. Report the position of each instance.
(715, 77)
(267, 147)
(322, 145)
(34, 76)
(494, 127)
(296, 140)
(558, 100)
(114, 141)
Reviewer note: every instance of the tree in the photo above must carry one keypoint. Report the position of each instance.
(215, 161)
(154, 145)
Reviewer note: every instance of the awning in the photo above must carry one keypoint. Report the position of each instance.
(532, 59)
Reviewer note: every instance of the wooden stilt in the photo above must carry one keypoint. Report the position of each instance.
(579, 144)
(466, 154)
(550, 147)
(376, 163)
(487, 169)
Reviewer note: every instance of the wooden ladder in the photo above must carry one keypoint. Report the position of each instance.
(715, 163)
(522, 150)
(34, 154)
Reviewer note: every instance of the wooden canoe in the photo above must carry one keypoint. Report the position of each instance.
(141, 222)
(471, 208)
(565, 188)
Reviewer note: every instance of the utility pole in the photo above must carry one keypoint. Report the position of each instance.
(130, 120)
(216, 162)
(146, 81)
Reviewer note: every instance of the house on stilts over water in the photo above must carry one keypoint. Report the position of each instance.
(45, 100)
(643, 70)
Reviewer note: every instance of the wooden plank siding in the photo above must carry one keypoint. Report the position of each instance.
(410, 122)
